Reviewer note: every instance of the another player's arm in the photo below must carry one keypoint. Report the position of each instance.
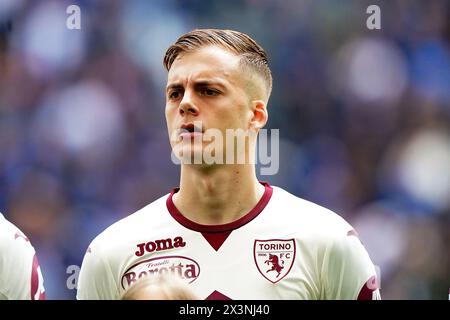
(349, 272)
(21, 276)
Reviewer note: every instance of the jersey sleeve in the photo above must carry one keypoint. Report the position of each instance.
(349, 272)
(20, 273)
(95, 280)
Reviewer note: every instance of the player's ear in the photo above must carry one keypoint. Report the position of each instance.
(259, 114)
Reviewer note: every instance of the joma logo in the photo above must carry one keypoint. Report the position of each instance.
(159, 245)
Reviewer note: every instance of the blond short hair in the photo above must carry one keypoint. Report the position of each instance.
(251, 53)
(160, 287)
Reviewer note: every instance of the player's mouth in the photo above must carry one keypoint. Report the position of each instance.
(189, 131)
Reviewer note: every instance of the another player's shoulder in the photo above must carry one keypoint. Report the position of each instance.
(6, 233)
(13, 242)
(308, 215)
(6, 227)
(138, 222)
(9, 233)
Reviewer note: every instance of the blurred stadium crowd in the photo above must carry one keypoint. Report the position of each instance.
(364, 119)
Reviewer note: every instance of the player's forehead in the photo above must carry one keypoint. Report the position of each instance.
(206, 63)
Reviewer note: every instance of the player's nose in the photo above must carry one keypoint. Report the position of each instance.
(187, 105)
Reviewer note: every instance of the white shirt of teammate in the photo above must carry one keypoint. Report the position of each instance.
(20, 274)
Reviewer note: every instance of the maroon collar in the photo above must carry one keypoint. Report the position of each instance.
(178, 216)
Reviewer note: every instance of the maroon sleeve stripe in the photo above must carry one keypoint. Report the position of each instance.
(368, 288)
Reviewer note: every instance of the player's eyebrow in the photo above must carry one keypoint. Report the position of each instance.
(197, 84)
(208, 83)
(173, 86)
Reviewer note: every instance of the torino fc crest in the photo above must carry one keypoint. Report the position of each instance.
(274, 258)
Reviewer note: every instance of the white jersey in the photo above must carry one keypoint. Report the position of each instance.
(20, 274)
(285, 248)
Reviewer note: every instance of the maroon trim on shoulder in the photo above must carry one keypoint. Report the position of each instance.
(178, 216)
(36, 286)
(353, 233)
(216, 295)
(368, 288)
(19, 235)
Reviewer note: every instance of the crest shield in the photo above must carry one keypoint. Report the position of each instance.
(274, 258)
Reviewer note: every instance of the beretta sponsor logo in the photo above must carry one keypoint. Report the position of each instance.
(159, 245)
(183, 267)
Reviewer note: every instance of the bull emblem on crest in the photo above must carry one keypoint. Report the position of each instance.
(276, 266)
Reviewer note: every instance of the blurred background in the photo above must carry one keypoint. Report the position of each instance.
(364, 119)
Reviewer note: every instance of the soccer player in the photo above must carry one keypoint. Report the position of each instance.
(223, 232)
(20, 274)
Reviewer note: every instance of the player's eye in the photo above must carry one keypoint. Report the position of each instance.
(209, 92)
(173, 95)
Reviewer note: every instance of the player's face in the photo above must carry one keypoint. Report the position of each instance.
(206, 86)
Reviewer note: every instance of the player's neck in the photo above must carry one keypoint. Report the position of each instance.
(217, 196)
